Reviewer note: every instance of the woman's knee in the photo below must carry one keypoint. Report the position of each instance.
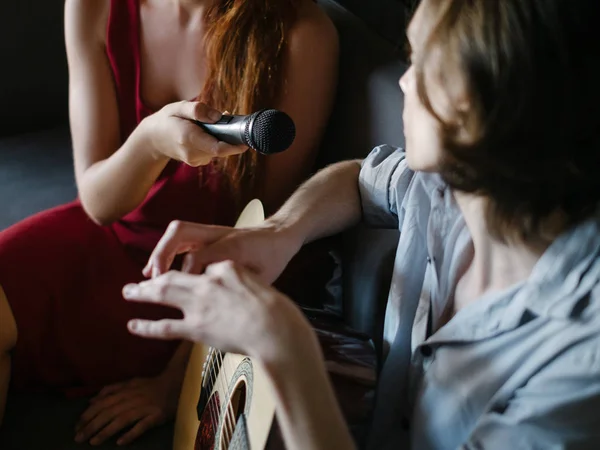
(8, 326)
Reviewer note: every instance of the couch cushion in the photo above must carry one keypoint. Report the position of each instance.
(386, 17)
(368, 108)
(36, 173)
(368, 112)
(368, 257)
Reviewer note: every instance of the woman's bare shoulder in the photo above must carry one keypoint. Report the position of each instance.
(315, 27)
(86, 20)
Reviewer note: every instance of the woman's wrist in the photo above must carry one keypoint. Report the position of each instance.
(144, 139)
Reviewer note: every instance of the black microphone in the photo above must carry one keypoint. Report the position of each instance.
(267, 131)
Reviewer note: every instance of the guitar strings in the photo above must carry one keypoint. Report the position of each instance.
(226, 409)
(230, 411)
(207, 372)
(253, 217)
(213, 376)
(229, 414)
(214, 410)
(215, 379)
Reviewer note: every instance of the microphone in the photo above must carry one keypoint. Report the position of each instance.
(267, 131)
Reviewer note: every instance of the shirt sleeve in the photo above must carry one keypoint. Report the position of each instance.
(559, 408)
(383, 181)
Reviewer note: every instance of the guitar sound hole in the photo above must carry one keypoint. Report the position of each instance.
(235, 408)
(209, 422)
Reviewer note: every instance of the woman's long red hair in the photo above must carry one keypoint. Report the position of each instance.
(246, 42)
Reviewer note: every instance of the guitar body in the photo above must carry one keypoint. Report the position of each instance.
(226, 400)
(230, 407)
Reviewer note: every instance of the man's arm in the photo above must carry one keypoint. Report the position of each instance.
(325, 205)
(268, 327)
(344, 193)
(307, 410)
(333, 200)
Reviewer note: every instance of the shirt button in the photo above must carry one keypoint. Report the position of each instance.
(429, 260)
(426, 351)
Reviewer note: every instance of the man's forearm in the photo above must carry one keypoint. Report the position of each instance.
(307, 411)
(325, 205)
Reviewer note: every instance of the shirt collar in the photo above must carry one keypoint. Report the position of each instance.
(565, 274)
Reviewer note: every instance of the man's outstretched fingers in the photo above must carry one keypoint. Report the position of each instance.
(172, 289)
(180, 237)
(161, 329)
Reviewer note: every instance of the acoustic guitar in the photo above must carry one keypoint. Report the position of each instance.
(226, 400)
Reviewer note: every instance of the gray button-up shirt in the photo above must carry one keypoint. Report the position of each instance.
(518, 369)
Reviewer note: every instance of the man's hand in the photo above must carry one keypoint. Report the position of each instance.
(326, 204)
(228, 307)
(232, 309)
(264, 250)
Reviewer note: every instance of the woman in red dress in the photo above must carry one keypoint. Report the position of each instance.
(136, 68)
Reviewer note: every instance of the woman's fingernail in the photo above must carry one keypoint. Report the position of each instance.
(133, 325)
(130, 290)
(214, 115)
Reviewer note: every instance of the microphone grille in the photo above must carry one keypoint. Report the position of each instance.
(270, 131)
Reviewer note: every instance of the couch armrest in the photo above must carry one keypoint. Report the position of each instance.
(367, 264)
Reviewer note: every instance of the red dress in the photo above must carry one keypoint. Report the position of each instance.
(63, 274)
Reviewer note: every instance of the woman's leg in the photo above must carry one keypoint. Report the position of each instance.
(8, 340)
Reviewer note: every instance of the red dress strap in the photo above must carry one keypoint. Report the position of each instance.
(123, 51)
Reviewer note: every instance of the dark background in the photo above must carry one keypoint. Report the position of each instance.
(386, 17)
(34, 64)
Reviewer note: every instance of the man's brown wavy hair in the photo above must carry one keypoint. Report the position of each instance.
(246, 43)
(532, 77)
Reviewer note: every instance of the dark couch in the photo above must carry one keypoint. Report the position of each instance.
(36, 173)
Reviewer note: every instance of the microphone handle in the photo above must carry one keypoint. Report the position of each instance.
(229, 129)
